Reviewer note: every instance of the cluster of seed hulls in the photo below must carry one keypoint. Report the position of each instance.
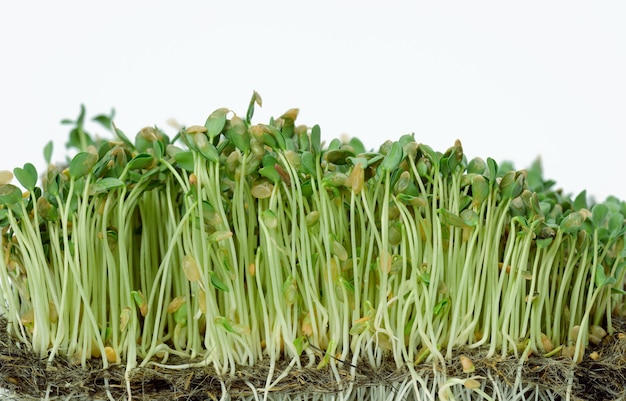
(235, 242)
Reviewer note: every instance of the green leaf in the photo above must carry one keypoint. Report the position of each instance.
(512, 184)
(444, 165)
(440, 306)
(139, 298)
(120, 134)
(535, 176)
(303, 142)
(3, 215)
(207, 150)
(217, 283)
(316, 139)
(329, 353)
(79, 139)
(476, 166)
(424, 167)
(104, 148)
(290, 291)
(599, 213)
(572, 222)
(449, 218)
(269, 219)
(339, 251)
(403, 181)
(362, 161)
(47, 152)
(307, 188)
(104, 165)
(334, 144)
(274, 138)
(523, 223)
(81, 116)
(416, 201)
(616, 224)
(357, 145)
(393, 158)
(335, 179)
(52, 182)
(105, 185)
(46, 210)
(535, 204)
(141, 161)
(146, 137)
(480, 189)
(79, 120)
(159, 149)
(172, 150)
(238, 134)
(505, 167)
(581, 200)
(338, 156)
(617, 290)
(225, 323)
(455, 157)
(105, 120)
(469, 217)
(492, 168)
(517, 207)
(205, 147)
(348, 285)
(308, 163)
(288, 122)
(220, 236)
(543, 242)
(270, 172)
(269, 160)
(180, 316)
(256, 99)
(185, 160)
(215, 122)
(10, 195)
(300, 344)
(82, 164)
(27, 176)
(268, 139)
(406, 139)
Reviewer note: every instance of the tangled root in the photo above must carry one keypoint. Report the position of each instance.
(600, 376)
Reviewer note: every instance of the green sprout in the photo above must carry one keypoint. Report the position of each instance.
(233, 245)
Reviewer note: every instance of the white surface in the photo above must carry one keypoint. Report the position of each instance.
(512, 80)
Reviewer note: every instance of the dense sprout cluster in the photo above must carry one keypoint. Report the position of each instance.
(235, 243)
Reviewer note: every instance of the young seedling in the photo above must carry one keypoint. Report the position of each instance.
(236, 246)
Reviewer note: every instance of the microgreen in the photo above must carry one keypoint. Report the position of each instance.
(238, 243)
(47, 152)
(27, 176)
(10, 195)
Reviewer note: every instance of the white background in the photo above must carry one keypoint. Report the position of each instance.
(511, 80)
